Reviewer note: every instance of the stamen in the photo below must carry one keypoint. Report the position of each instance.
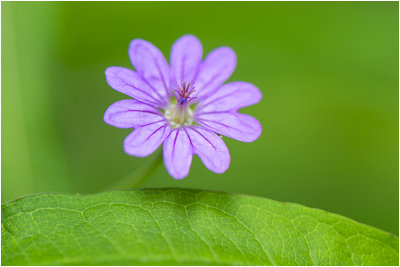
(183, 94)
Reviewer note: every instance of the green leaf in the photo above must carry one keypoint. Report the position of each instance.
(175, 226)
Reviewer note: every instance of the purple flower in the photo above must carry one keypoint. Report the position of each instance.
(183, 105)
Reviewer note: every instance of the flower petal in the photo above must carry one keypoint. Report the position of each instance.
(210, 148)
(215, 70)
(151, 65)
(131, 113)
(178, 153)
(185, 59)
(238, 126)
(130, 83)
(230, 97)
(143, 141)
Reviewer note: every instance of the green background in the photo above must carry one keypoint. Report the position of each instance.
(328, 73)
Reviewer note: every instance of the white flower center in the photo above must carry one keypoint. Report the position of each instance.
(179, 113)
(178, 117)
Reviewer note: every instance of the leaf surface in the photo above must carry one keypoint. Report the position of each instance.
(183, 227)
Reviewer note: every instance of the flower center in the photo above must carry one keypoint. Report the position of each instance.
(179, 113)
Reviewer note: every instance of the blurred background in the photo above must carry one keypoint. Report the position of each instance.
(328, 73)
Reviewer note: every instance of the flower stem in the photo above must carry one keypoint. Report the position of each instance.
(137, 177)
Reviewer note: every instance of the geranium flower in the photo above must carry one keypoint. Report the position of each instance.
(183, 105)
